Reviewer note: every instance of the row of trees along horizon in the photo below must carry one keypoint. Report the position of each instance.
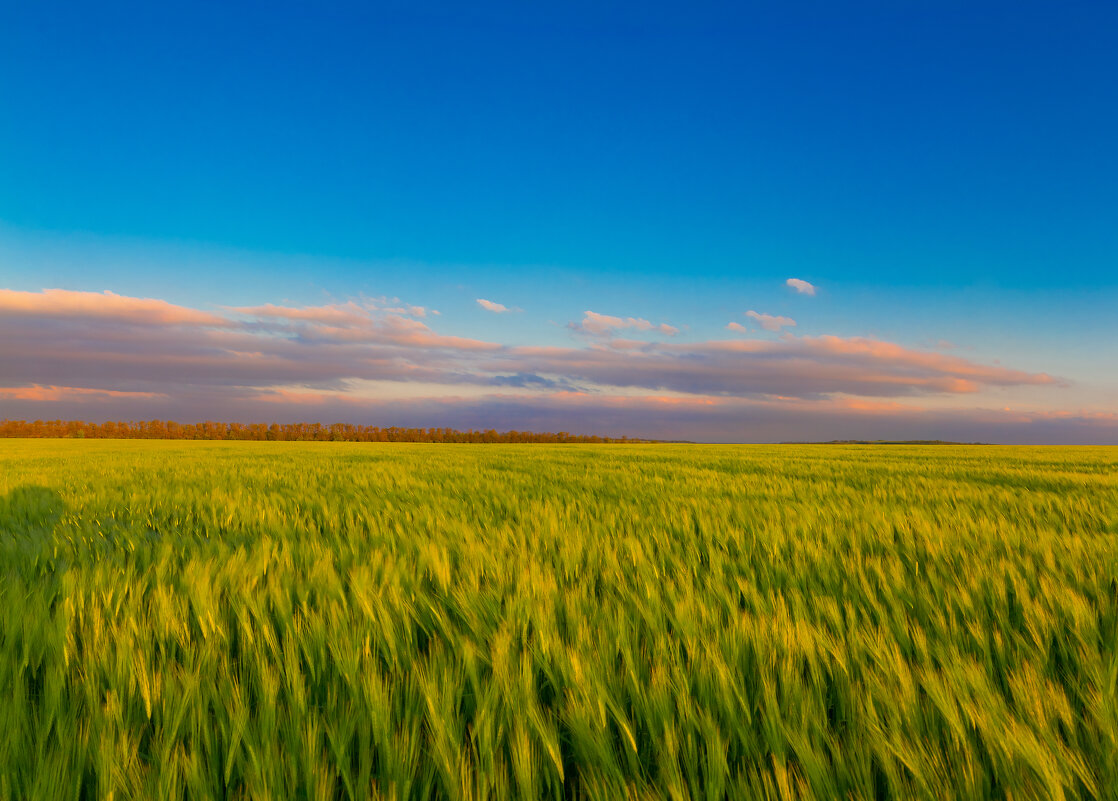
(283, 432)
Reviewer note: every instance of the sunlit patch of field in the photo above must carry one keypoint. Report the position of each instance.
(332, 620)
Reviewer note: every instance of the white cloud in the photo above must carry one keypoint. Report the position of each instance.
(801, 286)
(488, 305)
(741, 329)
(771, 322)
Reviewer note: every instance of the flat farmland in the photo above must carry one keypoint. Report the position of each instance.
(350, 621)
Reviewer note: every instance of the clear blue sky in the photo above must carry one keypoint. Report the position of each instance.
(940, 171)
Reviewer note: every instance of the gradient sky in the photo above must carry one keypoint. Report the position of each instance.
(289, 212)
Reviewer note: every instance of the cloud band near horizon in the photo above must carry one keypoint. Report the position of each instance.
(109, 356)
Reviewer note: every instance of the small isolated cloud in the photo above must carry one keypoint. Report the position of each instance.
(741, 329)
(603, 325)
(771, 322)
(488, 305)
(801, 286)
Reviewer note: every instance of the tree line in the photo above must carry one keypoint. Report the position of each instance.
(282, 432)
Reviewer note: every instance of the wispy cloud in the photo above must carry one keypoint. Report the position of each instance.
(37, 392)
(801, 286)
(741, 329)
(496, 308)
(349, 313)
(410, 311)
(604, 325)
(790, 367)
(770, 322)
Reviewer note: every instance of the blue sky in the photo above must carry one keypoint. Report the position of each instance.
(943, 173)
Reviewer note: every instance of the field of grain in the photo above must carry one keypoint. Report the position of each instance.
(332, 620)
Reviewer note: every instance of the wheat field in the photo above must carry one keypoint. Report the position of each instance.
(350, 621)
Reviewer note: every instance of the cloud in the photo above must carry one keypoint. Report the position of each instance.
(771, 322)
(741, 329)
(703, 419)
(488, 305)
(328, 346)
(801, 286)
(792, 366)
(36, 392)
(604, 325)
(57, 340)
(66, 304)
(334, 314)
(351, 322)
(131, 357)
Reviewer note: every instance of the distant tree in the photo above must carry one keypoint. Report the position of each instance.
(304, 432)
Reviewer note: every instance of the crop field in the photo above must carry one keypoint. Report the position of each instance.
(349, 621)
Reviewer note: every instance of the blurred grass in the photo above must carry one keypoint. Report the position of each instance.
(334, 620)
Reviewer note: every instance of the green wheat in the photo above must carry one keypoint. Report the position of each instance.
(350, 621)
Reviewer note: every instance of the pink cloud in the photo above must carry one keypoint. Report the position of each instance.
(488, 305)
(770, 322)
(791, 366)
(393, 329)
(702, 418)
(284, 396)
(130, 354)
(64, 304)
(37, 392)
(801, 286)
(335, 314)
(890, 353)
(604, 325)
(413, 311)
